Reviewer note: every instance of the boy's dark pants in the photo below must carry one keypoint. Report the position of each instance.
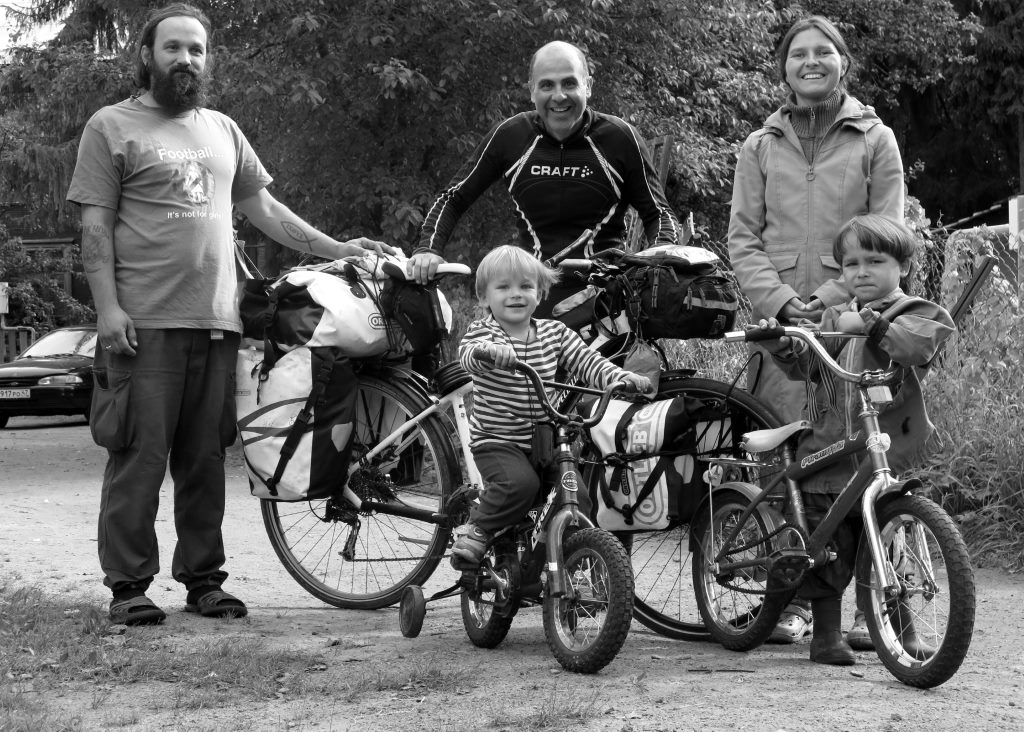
(511, 485)
(832, 579)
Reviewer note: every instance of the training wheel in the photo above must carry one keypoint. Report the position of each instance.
(411, 611)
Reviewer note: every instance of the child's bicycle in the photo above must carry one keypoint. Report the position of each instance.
(913, 574)
(555, 557)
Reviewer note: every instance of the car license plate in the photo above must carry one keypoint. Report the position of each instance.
(14, 393)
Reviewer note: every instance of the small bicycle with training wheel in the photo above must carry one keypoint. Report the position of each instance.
(580, 574)
(913, 574)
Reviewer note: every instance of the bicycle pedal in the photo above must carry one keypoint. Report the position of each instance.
(788, 566)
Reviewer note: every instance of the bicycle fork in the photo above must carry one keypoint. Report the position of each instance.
(567, 515)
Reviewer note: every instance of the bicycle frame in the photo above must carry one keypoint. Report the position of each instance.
(456, 401)
(872, 480)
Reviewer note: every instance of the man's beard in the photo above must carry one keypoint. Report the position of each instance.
(180, 89)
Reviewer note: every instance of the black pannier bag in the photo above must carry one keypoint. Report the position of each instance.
(675, 291)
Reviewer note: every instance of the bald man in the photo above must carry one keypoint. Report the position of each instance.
(568, 169)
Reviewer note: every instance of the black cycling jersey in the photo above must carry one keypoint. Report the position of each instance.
(560, 188)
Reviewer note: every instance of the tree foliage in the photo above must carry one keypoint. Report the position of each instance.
(362, 110)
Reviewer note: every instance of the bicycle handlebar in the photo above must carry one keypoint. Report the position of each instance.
(538, 385)
(818, 348)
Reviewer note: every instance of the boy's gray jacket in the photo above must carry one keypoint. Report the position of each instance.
(786, 211)
(916, 330)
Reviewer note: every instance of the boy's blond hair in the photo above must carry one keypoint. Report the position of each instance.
(508, 259)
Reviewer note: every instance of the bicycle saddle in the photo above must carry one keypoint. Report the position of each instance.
(764, 440)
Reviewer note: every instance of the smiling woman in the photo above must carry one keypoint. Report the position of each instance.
(52, 376)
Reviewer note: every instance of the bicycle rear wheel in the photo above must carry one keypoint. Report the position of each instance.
(357, 560)
(663, 560)
(922, 635)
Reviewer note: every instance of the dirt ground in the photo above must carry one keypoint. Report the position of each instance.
(49, 482)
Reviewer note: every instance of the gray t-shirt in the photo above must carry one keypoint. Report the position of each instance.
(172, 182)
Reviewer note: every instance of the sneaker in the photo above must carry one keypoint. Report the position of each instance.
(471, 544)
(859, 637)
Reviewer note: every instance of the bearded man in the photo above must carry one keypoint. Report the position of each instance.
(156, 179)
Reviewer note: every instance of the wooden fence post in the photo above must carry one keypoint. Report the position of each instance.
(1016, 242)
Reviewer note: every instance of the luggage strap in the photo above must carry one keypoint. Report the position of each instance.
(302, 420)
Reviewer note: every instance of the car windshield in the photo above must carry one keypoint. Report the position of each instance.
(63, 343)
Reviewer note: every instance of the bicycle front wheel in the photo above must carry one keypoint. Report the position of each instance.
(740, 607)
(921, 635)
(365, 561)
(663, 560)
(587, 626)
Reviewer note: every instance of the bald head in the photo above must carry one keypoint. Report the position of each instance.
(557, 49)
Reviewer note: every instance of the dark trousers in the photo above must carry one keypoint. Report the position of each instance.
(832, 579)
(170, 404)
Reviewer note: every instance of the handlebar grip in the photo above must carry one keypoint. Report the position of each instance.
(764, 334)
(579, 265)
(398, 272)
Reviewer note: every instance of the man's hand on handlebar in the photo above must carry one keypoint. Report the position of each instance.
(422, 266)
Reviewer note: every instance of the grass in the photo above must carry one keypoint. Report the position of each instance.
(52, 644)
(557, 710)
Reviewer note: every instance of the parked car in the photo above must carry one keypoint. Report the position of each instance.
(52, 376)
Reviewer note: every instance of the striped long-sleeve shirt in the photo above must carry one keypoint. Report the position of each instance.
(505, 407)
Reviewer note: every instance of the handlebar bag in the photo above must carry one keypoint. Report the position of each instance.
(675, 292)
(650, 480)
(296, 423)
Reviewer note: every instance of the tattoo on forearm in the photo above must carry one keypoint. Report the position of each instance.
(296, 234)
(95, 248)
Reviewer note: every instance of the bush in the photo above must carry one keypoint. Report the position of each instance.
(37, 297)
(973, 394)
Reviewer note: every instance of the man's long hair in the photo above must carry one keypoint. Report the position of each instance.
(143, 79)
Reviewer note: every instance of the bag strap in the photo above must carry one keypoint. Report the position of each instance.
(628, 510)
(302, 420)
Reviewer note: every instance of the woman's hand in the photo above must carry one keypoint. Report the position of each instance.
(796, 310)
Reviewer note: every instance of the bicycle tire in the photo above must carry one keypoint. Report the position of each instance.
(486, 626)
(586, 627)
(385, 553)
(664, 600)
(740, 610)
(921, 540)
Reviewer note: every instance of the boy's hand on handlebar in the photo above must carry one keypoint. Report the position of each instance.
(499, 356)
(850, 322)
(422, 266)
(637, 383)
(777, 345)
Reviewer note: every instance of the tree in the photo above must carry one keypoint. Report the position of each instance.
(363, 110)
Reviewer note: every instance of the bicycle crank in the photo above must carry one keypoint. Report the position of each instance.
(788, 566)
